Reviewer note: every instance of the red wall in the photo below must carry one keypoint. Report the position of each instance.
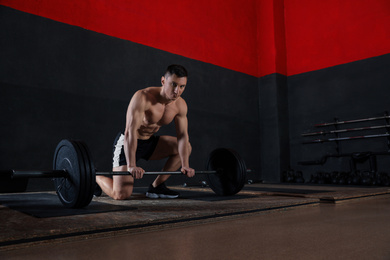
(271, 42)
(321, 34)
(221, 32)
(257, 37)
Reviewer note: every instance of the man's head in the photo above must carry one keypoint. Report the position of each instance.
(178, 70)
(174, 81)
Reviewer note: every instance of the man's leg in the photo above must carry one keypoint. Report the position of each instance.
(166, 148)
(120, 187)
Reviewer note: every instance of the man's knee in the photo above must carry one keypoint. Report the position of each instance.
(122, 187)
(122, 194)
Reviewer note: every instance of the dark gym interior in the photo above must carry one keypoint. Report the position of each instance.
(263, 76)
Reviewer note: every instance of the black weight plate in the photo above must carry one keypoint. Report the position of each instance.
(83, 175)
(231, 169)
(90, 175)
(70, 190)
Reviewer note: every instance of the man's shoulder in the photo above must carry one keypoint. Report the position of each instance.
(149, 91)
(181, 105)
(147, 94)
(181, 102)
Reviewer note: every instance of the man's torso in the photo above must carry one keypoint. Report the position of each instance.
(156, 114)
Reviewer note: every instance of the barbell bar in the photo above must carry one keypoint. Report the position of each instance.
(346, 130)
(15, 174)
(346, 138)
(74, 174)
(156, 173)
(386, 117)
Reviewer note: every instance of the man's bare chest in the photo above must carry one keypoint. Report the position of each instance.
(160, 115)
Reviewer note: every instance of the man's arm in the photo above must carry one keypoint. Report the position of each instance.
(183, 142)
(134, 117)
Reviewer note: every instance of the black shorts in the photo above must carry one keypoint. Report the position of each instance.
(145, 149)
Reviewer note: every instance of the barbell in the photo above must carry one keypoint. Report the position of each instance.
(74, 173)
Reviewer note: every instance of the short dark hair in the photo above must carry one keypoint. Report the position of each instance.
(178, 70)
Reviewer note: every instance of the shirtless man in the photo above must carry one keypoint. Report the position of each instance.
(149, 109)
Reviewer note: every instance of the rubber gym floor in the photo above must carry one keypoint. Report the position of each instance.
(262, 221)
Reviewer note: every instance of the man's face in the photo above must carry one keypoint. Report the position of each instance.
(173, 86)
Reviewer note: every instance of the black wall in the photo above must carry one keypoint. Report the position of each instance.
(351, 91)
(60, 81)
(274, 127)
(290, 106)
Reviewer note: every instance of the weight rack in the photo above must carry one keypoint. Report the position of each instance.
(338, 129)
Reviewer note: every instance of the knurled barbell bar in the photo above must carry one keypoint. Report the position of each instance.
(74, 173)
